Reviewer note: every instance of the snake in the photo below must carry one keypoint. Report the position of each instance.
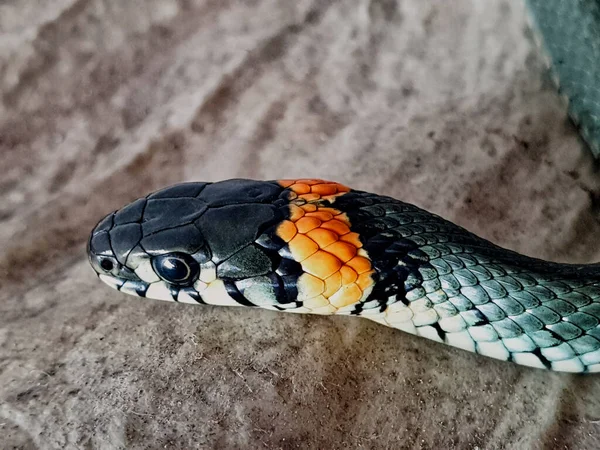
(315, 246)
(319, 247)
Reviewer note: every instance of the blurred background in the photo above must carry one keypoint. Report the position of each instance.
(444, 105)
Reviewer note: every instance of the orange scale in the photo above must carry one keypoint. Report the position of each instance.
(305, 224)
(302, 247)
(300, 188)
(324, 189)
(310, 197)
(309, 207)
(310, 181)
(338, 226)
(296, 213)
(342, 250)
(333, 284)
(360, 264)
(286, 183)
(309, 286)
(349, 275)
(347, 295)
(322, 237)
(351, 238)
(286, 230)
(321, 215)
(365, 280)
(316, 302)
(321, 264)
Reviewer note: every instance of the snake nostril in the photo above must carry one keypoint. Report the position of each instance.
(107, 265)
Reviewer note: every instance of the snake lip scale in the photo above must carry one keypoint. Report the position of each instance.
(319, 247)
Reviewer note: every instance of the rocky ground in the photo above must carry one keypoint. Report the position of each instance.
(443, 105)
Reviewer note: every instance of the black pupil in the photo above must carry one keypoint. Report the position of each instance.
(106, 264)
(175, 269)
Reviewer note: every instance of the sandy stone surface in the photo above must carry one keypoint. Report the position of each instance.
(445, 105)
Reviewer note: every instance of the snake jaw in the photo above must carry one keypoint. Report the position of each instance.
(157, 290)
(132, 287)
(113, 282)
(138, 288)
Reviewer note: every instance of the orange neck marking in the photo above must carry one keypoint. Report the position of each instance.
(314, 189)
(337, 270)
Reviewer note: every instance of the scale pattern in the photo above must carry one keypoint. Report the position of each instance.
(570, 33)
(439, 281)
(337, 273)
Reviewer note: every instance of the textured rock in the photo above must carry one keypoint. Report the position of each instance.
(445, 107)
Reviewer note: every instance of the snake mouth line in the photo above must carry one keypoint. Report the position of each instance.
(158, 290)
(139, 288)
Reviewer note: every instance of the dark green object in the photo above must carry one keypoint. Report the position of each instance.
(570, 35)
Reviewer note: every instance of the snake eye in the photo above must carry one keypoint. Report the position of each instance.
(176, 268)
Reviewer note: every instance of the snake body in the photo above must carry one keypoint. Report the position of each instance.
(313, 246)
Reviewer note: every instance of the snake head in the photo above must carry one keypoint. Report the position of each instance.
(273, 244)
(178, 242)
